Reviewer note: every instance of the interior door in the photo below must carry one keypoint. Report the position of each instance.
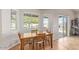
(62, 23)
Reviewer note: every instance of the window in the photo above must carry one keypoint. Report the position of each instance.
(34, 22)
(45, 22)
(27, 24)
(30, 22)
(13, 20)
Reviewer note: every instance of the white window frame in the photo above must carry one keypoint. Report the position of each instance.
(13, 11)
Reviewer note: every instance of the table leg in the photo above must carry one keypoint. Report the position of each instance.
(51, 41)
(22, 45)
(33, 45)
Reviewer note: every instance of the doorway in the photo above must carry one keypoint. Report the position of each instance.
(62, 26)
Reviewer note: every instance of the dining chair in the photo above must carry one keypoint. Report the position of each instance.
(40, 41)
(48, 39)
(24, 42)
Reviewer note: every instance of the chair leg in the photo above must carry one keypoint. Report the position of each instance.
(40, 46)
(48, 41)
(21, 47)
(36, 46)
(30, 45)
(43, 45)
(33, 45)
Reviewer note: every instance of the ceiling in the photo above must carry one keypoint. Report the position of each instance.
(75, 10)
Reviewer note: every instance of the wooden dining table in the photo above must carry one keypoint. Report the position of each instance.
(29, 36)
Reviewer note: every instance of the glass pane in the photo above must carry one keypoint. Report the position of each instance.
(65, 26)
(34, 23)
(61, 24)
(45, 22)
(27, 20)
(30, 22)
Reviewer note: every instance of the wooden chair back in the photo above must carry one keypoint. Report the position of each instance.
(40, 36)
(19, 34)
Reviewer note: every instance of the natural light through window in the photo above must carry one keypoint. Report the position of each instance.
(45, 22)
(30, 22)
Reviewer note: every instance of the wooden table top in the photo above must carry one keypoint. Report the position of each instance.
(32, 35)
